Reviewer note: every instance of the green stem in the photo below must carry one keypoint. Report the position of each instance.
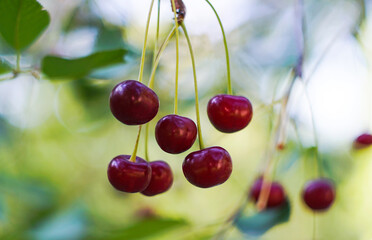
(229, 87)
(157, 33)
(201, 144)
(177, 58)
(134, 154)
(157, 59)
(153, 60)
(145, 43)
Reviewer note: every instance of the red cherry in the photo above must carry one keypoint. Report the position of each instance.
(276, 196)
(229, 113)
(363, 141)
(175, 134)
(319, 194)
(208, 167)
(161, 178)
(133, 103)
(128, 176)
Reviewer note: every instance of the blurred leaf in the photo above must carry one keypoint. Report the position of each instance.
(4, 66)
(93, 95)
(62, 68)
(109, 38)
(27, 190)
(146, 228)
(22, 21)
(261, 222)
(70, 224)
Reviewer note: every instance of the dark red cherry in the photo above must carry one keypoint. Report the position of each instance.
(363, 141)
(319, 194)
(161, 178)
(133, 103)
(276, 196)
(229, 113)
(128, 176)
(208, 167)
(175, 134)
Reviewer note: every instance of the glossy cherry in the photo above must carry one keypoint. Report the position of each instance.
(175, 134)
(207, 167)
(128, 176)
(161, 178)
(133, 103)
(363, 141)
(319, 194)
(276, 197)
(229, 113)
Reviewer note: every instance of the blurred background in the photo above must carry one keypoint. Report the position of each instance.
(57, 134)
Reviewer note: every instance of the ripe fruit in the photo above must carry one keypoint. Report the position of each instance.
(363, 141)
(276, 196)
(229, 113)
(133, 103)
(319, 194)
(175, 134)
(207, 167)
(128, 176)
(161, 178)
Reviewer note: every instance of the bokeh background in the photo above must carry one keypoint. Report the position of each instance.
(57, 136)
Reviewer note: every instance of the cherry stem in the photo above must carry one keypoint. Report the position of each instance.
(229, 85)
(134, 154)
(157, 59)
(177, 58)
(157, 33)
(153, 60)
(284, 115)
(140, 77)
(201, 144)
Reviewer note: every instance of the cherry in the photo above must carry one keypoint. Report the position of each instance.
(161, 178)
(229, 113)
(128, 176)
(133, 103)
(276, 196)
(175, 134)
(319, 194)
(207, 167)
(363, 141)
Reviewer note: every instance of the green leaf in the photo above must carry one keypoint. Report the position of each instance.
(261, 222)
(70, 224)
(144, 229)
(4, 67)
(21, 22)
(62, 68)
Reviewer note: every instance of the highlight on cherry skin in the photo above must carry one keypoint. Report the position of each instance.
(208, 167)
(127, 176)
(277, 194)
(161, 178)
(133, 103)
(229, 113)
(319, 194)
(175, 134)
(363, 141)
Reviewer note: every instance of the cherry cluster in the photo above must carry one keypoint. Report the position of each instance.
(318, 194)
(133, 103)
